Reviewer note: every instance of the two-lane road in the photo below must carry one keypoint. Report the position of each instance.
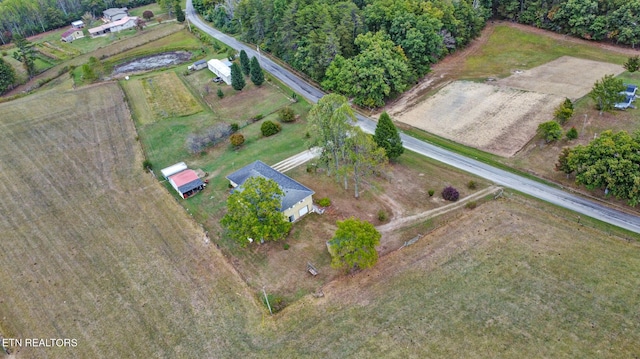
(536, 189)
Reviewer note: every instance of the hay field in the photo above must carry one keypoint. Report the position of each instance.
(167, 96)
(495, 119)
(95, 249)
(566, 76)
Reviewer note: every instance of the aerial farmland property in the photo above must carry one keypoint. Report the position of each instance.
(98, 247)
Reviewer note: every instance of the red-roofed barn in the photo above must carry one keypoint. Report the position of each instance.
(186, 183)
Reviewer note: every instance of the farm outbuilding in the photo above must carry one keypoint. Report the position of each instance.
(173, 169)
(186, 183)
(198, 65)
(115, 14)
(221, 69)
(116, 26)
(71, 34)
(297, 200)
(78, 24)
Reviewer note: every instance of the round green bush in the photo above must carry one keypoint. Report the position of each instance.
(324, 202)
(269, 128)
(237, 139)
(286, 114)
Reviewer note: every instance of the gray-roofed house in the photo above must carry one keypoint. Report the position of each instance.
(115, 14)
(297, 200)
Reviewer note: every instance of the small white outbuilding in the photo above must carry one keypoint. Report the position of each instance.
(221, 69)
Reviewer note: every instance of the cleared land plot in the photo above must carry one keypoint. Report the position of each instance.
(95, 249)
(495, 119)
(167, 96)
(566, 76)
(506, 280)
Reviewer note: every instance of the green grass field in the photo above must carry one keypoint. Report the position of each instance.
(509, 48)
(168, 97)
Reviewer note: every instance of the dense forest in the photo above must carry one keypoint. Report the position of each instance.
(30, 17)
(372, 49)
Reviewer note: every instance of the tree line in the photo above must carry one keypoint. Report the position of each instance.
(31, 17)
(390, 43)
(613, 20)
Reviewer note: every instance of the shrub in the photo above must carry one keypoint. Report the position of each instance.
(572, 134)
(312, 168)
(259, 117)
(220, 93)
(269, 128)
(550, 131)
(235, 127)
(286, 246)
(632, 64)
(450, 194)
(4, 53)
(382, 215)
(472, 185)
(431, 192)
(146, 165)
(147, 14)
(324, 202)
(237, 139)
(286, 114)
(471, 205)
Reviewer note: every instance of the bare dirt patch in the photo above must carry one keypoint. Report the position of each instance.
(495, 119)
(152, 62)
(566, 76)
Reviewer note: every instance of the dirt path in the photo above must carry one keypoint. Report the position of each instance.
(404, 221)
(449, 68)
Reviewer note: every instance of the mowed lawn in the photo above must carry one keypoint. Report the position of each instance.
(95, 249)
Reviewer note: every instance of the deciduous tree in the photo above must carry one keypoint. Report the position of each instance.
(364, 157)
(354, 245)
(387, 137)
(550, 131)
(253, 212)
(237, 80)
(330, 121)
(606, 93)
(610, 162)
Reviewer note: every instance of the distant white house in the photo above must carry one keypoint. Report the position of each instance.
(73, 33)
(116, 26)
(79, 24)
(221, 69)
(115, 14)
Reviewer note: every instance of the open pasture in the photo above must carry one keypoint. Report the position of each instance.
(95, 249)
(495, 119)
(167, 96)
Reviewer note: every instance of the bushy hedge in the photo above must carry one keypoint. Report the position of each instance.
(237, 139)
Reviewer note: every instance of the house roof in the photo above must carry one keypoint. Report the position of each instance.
(220, 66)
(186, 180)
(109, 25)
(77, 23)
(68, 32)
(115, 11)
(173, 169)
(294, 191)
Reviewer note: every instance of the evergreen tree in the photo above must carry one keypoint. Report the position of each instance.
(25, 54)
(179, 13)
(244, 63)
(257, 77)
(7, 76)
(387, 137)
(237, 80)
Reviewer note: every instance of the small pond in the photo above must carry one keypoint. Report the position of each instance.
(153, 62)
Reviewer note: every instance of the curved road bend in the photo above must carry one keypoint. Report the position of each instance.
(538, 190)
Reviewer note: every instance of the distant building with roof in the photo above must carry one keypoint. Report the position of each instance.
(78, 24)
(185, 181)
(116, 26)
(115, 14)
(297, 200)
(221, 68)
(71, 34)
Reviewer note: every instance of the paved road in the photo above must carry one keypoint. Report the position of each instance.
(498, 176)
